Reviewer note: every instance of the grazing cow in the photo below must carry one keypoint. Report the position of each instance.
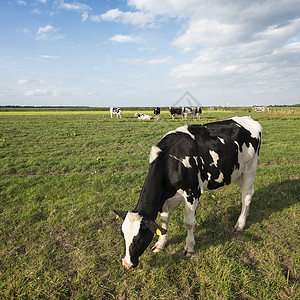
(197, 112)
(184, 111)
(156, 112)
(175, 111)
(115, 111)
(143, 116)
(184, 164)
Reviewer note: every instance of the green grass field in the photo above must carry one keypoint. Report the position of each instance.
(63, 171)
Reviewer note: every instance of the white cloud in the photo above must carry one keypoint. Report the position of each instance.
(36, 92)
(24, 30)
(160, 61)
(45, 29)
(36, 11)
(204, 32)
(120, 38)
(132, 61)
(153, 61)
(133, 18)
(24, 80)
(48, 56)
(48, 33)
(147, 49)
(31, 81)
(76, 6)
(167, 7)
(84, 16)
(21, 2)
(279, 34)
(137, 76)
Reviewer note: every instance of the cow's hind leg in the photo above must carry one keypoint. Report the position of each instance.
(246, 185)
(189, 221)
(169, 206)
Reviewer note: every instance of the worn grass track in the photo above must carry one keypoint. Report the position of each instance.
(62, 172)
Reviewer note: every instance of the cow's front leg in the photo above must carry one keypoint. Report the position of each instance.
(162, 240)
(189, 221)
(169, 206)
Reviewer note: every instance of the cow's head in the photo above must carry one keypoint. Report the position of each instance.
(137, 232)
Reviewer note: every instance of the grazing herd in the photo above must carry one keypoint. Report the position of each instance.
(183, 111)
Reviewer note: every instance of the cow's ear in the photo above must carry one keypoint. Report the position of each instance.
(154, 228)
(120, 213)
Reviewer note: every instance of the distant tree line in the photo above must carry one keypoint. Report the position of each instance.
(292, 105)
(88, 108)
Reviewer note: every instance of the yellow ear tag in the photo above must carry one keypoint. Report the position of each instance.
(158, 232)
(117, 217)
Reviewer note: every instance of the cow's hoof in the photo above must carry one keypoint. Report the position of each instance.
(188, 254)
(156, 249)
(237, 229)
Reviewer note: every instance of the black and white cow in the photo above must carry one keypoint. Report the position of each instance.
(115, 111)
(143, 116)
(156, 112)
(184, 111)
(197, 112)
(175, 111)
(184, 164)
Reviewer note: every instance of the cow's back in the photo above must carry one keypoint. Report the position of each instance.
(211, 155)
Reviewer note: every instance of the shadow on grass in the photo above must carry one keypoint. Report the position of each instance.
(218, 229)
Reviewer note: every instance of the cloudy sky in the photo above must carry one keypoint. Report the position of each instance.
(149, 52)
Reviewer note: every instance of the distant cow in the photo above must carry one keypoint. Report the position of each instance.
(197, 112)
(115, 111)
(184, 111)
(143, 116)
(156, 112)
(184, 164)
(175, 111)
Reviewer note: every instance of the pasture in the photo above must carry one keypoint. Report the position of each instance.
(63, 171)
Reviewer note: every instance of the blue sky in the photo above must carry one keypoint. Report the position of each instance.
(149, 53)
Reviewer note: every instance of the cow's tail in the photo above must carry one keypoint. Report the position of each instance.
(259, 141)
